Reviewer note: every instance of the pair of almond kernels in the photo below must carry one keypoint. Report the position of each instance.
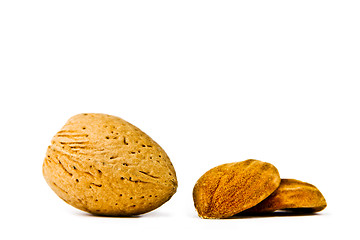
(252, 187)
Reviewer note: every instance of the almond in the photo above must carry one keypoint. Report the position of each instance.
(104, 165)
(231, 188)
(292, 195)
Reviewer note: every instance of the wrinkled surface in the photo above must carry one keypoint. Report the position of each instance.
(292, 195)
(104, 165)
(230, 188)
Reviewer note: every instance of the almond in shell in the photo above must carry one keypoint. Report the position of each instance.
(104, 165)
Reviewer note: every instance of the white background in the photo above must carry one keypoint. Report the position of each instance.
(211, 81)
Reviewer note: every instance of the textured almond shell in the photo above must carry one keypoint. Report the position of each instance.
(292, 195)
(104, 165)
(230, 188)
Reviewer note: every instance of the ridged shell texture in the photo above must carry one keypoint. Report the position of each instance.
(104, 165)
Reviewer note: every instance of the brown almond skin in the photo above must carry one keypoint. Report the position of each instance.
(104, 165)
(293, 195)
(231, 188)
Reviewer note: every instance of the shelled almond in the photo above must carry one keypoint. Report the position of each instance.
(252, 187)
